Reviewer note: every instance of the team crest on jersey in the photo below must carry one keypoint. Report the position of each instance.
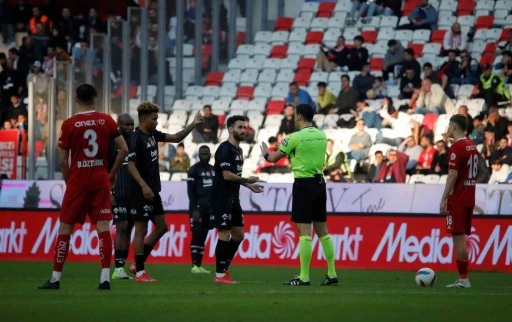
(101, 121)
(152, 141)
(452, 157)
(208, 173)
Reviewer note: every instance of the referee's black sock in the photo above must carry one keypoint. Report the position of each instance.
(118, 258)
(233, 248)
(147, 251)
(221, 256)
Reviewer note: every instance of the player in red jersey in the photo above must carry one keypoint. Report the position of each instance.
(87, 137)
(458, 199)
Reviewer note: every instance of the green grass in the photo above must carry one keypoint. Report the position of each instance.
(181, 296)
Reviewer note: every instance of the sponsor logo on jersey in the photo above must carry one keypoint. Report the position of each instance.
(105, 211)
(85, 123)
(225, 164)
(453, 156)
(101, 121)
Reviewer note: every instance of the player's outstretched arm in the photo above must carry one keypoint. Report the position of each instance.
(180, 136)
(64, 163)
(271, 157)
(121, 156)
(448, 188)
(230, 176)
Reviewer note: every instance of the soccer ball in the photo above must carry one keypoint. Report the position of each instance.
(426, 277)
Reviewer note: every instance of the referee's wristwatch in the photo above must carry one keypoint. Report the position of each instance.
(266, 156)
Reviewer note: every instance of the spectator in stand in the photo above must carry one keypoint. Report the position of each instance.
(22, 15)
(440, 163)
(62, 55)
(463, 110)
(375, 167)
(363, 82)
(383, 8)
(409, 84)
(370, 117)
(20, 64)
(206, 132)
(489, 145)
(378, 90)
(357, 10)
(358, 55)
(330, 57)
(16, 108)
(66, 25)
(250, 133)
(347, 98)
(287, 126)
(181, 161)
(469, 68)
(509, 178)
(427, 155)
(153, 16)
(509, 135)
(455, 39)
(497, 123)
(428, 72)
(28, 50)
(7, 125)
(298, 96)
(281, 166)
(499, 173)
(94, 22)
(325, 101)
(422, 17)
(491, 87)
(48, 62)
(39, 18)
(190, 14)
(359, 143)
(393, 60)
(433, 99)
(483, 172)
(477, 135)
(80, 54)
(21, 122)
(451, 68)
(393, 171)
(503, 152)
(6, 25)
(410, 62)
(11, 83)
(336, 164)
(506, 66)
(401, 123)
(412, 150)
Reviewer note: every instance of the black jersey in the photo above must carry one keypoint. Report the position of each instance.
(200, 185)
(231, 158)
(144, 152)
(122, 187)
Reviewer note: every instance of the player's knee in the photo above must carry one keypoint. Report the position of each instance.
(162, 229)
(224, 234)
(102, 225)
(238, 236)
(121, 227)
(65, 229)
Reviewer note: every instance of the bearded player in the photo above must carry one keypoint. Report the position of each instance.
(458, 199)
(87, 137)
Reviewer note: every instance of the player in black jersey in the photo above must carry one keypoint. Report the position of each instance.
(145, 201)
(121, 201)
(200, 185)
(227, 212)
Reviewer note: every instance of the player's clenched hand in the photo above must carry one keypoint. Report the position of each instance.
(112, 178)
(443, 208)
(112, 199)
(252, 180)
(198, 118)
(148, 193)
(256, 188)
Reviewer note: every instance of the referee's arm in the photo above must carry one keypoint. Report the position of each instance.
(286, 147)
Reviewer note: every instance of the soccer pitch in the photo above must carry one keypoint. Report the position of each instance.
(362, 295)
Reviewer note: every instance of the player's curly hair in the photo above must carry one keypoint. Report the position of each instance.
(147, 108)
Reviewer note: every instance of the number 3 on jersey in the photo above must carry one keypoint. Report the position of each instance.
(473, 166)
(92, 149)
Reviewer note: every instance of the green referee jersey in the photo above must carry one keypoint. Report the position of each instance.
(306, 151)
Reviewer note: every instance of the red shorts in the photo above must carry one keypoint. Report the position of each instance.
(77, 204)
(458, 220)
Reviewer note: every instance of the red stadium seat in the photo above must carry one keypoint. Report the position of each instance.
(240, 37)
(214, 78)
(409, 6)
(205, 57)
(490, 48)
(244, 92)
(437, 36)
(325, 9)
(487, 58)
(275, 107)
(429, 122)
(314, 37)
(302, 76)
(222, 119)
(284, 24)
(39, 148)
(133, 91)
(484, 22)
(505, 34)
(466, 7)
(418, 49)
(279, 51)
(370, 36)
(307, 63)
(376, 64)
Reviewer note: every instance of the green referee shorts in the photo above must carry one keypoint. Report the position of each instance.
(309, 200)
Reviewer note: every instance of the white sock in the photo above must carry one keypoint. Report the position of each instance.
(55, 277)
(139, 273)
(219, 275)
(105, 275)
(465, 280)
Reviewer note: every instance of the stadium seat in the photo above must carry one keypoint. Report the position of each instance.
(388, 21)
(284, 24)
(297, 35)
(314, 37)
(213, 91)
(376, 64)
(279, 37)
(370, 36)
(434, 49)
(275, 107)
(311, 51)
(257, 104)
(429, 122)
(262, 49)
(301, 22)
(421, 35)
(232, 76)
(255, 63)
(417, 178)
(179, 176)
(267, 76)
(307, 63)
(278, 51)
(263, 37)
(490, 48)
(465, 7)
(466, 20)
(302, 76)
(432, 178)
(307, 15)
(285, 76)
(245, 92)
(319, 24)
(336, 23)
(249, 76)
(417, 48)
(281, 89)
(325, 9)
(214, 78)
(409, 6)
(165, 176)
(442, 179)
(484, 22)
(386, 34)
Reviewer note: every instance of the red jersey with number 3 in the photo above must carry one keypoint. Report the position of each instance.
(463, 157)
(87, 135)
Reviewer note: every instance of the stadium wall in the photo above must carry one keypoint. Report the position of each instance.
(363, 241)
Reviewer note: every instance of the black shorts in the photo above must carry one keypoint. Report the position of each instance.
(309, 201)
(121, 210)
(227, 213)
(144, 210)
(200, 219)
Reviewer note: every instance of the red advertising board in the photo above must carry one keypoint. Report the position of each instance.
(362, 241)
(9, 146)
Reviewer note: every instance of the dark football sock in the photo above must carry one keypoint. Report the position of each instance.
(221, 256)
(147, 251)
(197, 247)
(119, 258)
(139, 262)
(233, 248)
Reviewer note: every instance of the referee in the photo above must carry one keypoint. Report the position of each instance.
(306, 151)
